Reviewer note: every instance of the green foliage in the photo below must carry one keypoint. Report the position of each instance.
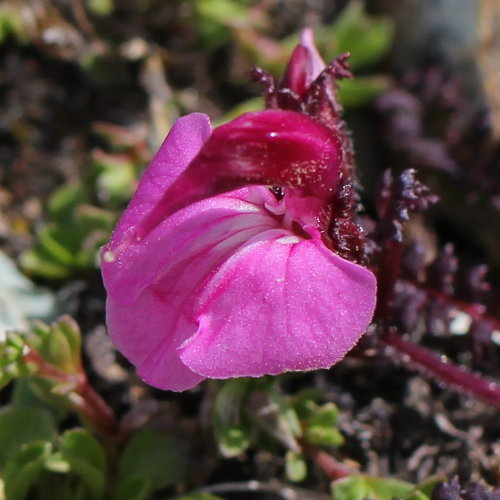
(81, 216)
(200, 496)
(231, 425)
(214, 19)
(12, 363)
(48, 357)
(361, 90)
(151, 461)
(24, 468)
(295, 466)
(59, 344)
(101, 7)
(12, 24)
(320, 425)
(366, 38)
(20, 426)
(248, 412)
(359, 486)
(115, 177)
(71, 239)
(77, 455)
(86, 459)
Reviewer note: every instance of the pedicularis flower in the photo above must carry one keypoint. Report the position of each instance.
(211, 273)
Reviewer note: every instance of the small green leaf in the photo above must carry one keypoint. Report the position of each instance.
(296, 467)
(154, 457)
(19, 426)
(12, 364)
(362, 90)
(65, 200)
(362, 486)
(57, 463)
(50, 244)
(12, 23)
(135, 488)
(56, 350)
(288, 421)
(367, 38)
(222, 12)
(200, 496)
(426, 487)
(86, 459)
(230, 426)
(233, 440)
(101, 7)
(321, 426)
(38, 262)
(323, 435)
(115, 178)
(71, 331)
(24, 468)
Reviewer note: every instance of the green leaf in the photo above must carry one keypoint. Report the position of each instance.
(115, 179)
(58, 344)
(71, 331)
(86, 459)
(12, 23)
(361, 90)
(200, 496)
(231, 428)
(426, 487)
(24, 468)
(222, 12)
(57, 463)
(321, 426)
(12, 363)
(101, 7)
(324, 436)
(296, 468)
(367, 38)
(38, 262)
(71, 239)
(135, 488)
(154, 457)
(20, 426)
(288, 420)
(65, 200)
(61, 344)
(362, 486)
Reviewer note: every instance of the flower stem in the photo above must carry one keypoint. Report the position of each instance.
(329, 465)
(441, 369)
(95, 409)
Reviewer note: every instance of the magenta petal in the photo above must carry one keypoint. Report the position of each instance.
(181, 145)
(279, 304)
(317, 65)
(272, 147)
(305, 65)
(297, 75)
(152, 285)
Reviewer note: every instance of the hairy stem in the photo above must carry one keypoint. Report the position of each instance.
(476, 311)
(440, 369)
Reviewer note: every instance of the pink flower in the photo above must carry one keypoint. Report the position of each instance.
(210, 275)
